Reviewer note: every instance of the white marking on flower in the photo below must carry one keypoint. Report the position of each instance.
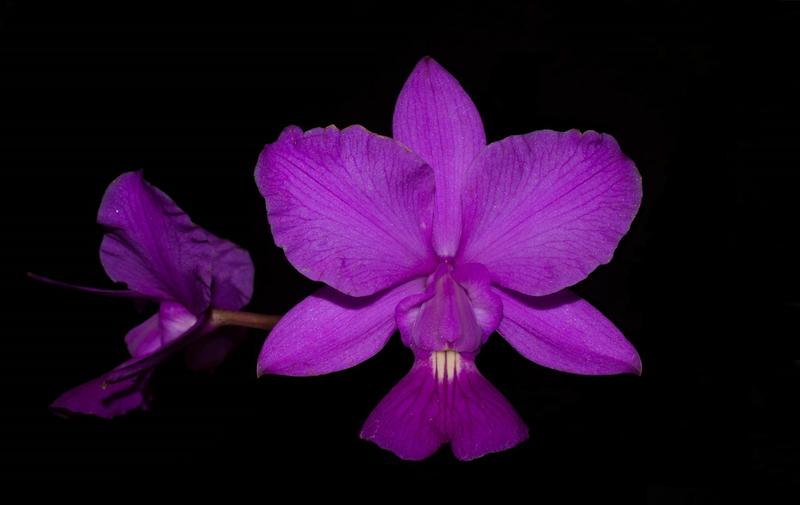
(445, 365)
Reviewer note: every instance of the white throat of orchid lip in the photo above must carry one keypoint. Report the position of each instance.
(446, 365)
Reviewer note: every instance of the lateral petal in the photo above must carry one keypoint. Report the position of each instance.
(350, 208)
(330, 331)
(564, 332)
(542, 210)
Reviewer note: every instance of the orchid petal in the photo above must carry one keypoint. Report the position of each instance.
(444, 398)
(169, 324)
(330, 331)
(148, 361)
(436, 118)
(564, 332)
(349, 208)
(405, 420)
(482, 420)
(152, 245)
(174, 321)
(542, 210)
(233, 273)
(105, 400)
(145, 338)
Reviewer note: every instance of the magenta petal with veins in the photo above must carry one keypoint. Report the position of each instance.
(444, 398)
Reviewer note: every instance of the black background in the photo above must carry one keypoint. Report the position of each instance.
(703, 99)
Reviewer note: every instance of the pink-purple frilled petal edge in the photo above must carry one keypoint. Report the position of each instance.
(330, 331)
(436, 118)
(349, 208)
(564, 332)
(542, 210)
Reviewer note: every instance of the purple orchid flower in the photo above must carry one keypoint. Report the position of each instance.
(152, 246)
(448, 239)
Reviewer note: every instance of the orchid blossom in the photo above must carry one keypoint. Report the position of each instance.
(196, 279)
(447, 239)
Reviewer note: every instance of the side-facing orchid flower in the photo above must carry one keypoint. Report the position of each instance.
(448, 239)
(196, 279)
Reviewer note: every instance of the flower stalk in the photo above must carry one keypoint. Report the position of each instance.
(245, 319)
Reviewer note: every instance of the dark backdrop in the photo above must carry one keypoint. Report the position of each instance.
(702, 99)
